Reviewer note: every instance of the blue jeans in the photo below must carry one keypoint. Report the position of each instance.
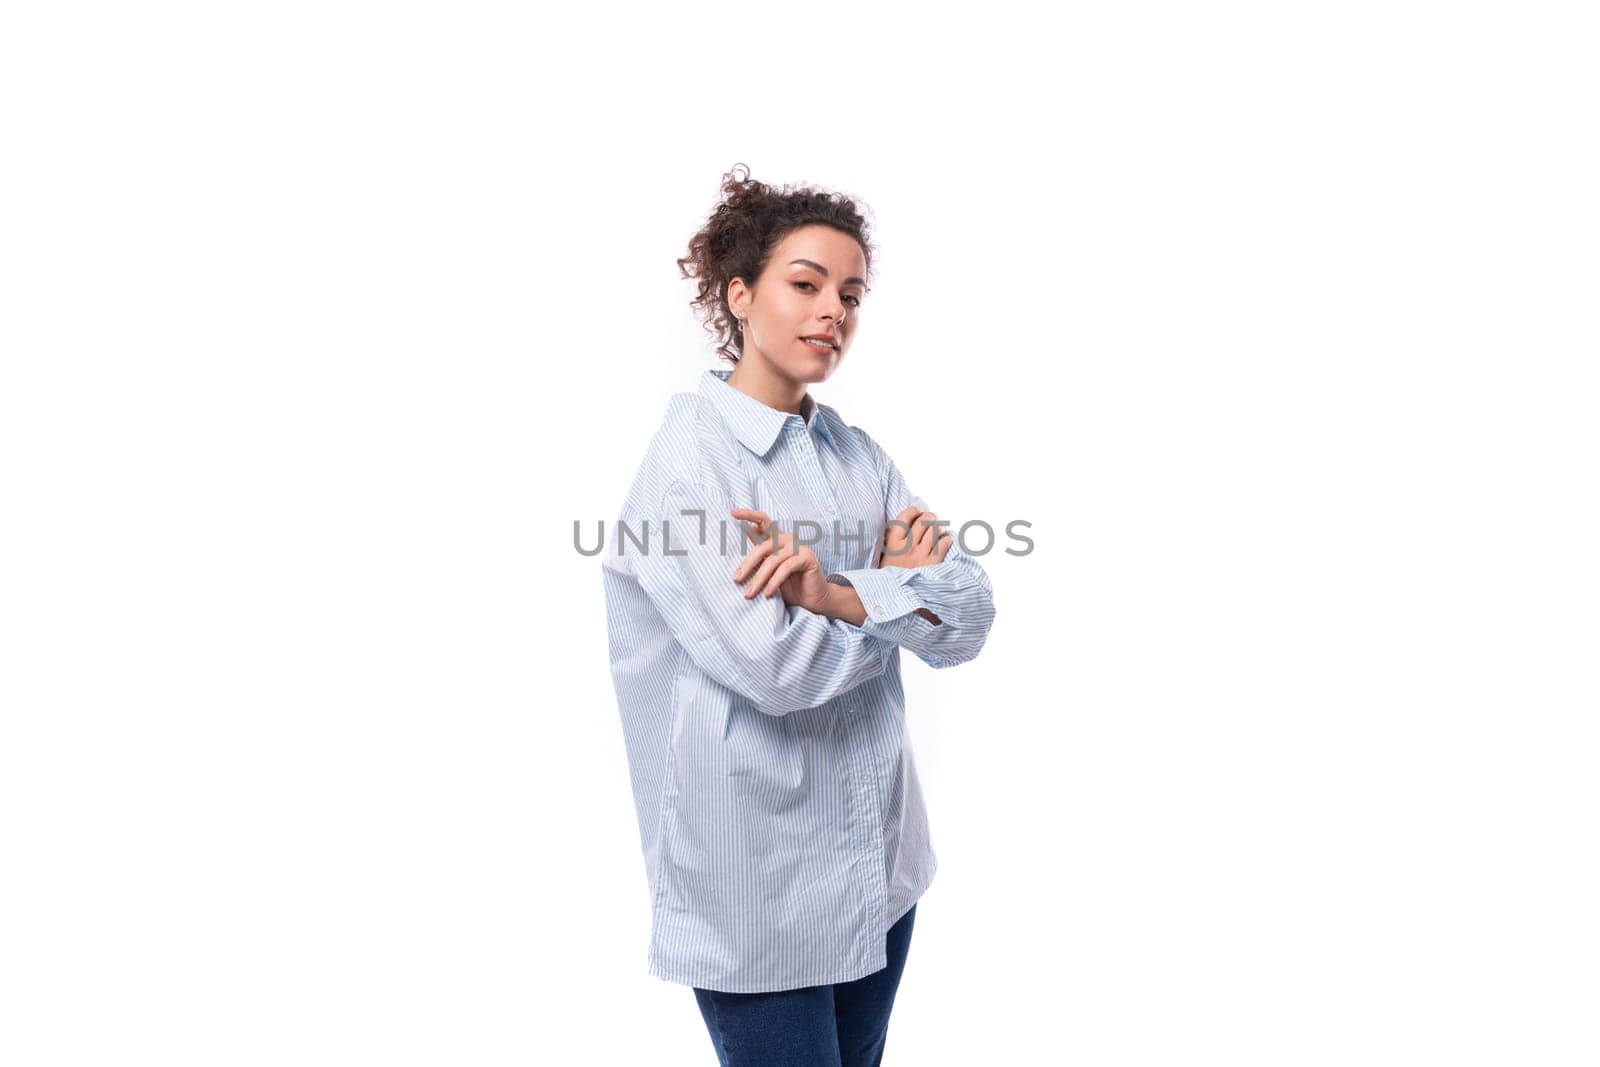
(839, 1025)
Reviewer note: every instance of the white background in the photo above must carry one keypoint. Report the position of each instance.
(322, 323)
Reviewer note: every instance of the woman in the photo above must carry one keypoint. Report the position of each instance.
(755, 640)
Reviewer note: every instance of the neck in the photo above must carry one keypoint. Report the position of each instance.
(755, 377)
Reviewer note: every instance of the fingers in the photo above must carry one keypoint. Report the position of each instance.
(771, 574)
(900, 534)
(904, 524)
(911, 534)
(752, 559)
(762, 575)
(760, 519)
(782, 574)
(761, 560)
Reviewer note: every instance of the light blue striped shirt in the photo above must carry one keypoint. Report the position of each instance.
(782, 823)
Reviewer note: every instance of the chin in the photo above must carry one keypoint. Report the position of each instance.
(820, 369)
(812, 375)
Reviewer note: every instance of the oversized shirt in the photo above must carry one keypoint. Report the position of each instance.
(781, 820)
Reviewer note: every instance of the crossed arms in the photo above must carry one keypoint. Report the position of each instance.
(829, 633)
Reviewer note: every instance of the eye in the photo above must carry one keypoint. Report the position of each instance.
(855, 300)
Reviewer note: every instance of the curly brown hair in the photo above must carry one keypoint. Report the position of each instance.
(738, 238)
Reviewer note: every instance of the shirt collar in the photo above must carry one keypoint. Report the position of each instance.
(754, 423)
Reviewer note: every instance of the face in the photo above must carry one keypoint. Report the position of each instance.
(813, 284)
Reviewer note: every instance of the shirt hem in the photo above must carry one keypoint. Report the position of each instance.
(679, 978)
(702, 981)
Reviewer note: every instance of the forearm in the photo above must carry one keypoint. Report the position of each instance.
(780, 657)
(844, 603)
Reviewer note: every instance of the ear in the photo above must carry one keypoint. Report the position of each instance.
(739, 297)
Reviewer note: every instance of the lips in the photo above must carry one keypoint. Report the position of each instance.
(823, 337)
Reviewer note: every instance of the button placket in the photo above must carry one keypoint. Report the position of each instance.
(867, 821)
(816, 481)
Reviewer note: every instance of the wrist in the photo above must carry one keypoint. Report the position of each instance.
(844, 603)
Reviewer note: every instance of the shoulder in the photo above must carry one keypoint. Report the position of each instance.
(852, 439)
(691, 446)
(859, 448)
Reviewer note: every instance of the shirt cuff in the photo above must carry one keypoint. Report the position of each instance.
(884, 591)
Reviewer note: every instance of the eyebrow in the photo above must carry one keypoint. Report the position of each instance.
(820, 269)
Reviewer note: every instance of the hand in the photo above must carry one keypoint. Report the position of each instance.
(915, 546)
(785, 567)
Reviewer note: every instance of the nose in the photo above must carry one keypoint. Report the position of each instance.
(836, 311)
